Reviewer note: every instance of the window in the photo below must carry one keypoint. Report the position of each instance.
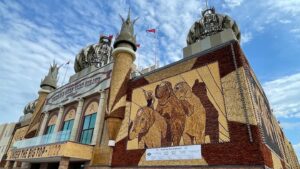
(50, 129)
(66, 130)
(88, 128)
(51, 124)
(68, 125)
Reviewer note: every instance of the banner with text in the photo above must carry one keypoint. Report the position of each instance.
(174, 153)
(87, 85)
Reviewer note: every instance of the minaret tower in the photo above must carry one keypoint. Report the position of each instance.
(124, 56)
(48, 84)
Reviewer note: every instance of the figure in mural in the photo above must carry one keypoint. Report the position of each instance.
(194, 130)
(149, 127)
(211, 130)
(170, 107)
(149, 98)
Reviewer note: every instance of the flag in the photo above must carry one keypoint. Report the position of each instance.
(138, 45)
(151, 30)
(110, 37)
(68, 62)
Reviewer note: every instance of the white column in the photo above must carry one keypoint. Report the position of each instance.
(44, 123)
(77, 119)
(59, 118)
(99, 117)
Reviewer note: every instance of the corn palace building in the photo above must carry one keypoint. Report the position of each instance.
(207, 110)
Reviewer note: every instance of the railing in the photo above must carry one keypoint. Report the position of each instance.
(61, 136)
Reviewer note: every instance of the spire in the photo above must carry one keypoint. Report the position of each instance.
(50, 81)
(126, 35)
(128, 15)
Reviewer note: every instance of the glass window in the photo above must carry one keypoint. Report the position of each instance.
(68, 125)
(50, 129)
(86, 122)
(88, 128)
(66, 130)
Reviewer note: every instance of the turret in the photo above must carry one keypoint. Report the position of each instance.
(123, 55)
(50, 81)
(48, 84)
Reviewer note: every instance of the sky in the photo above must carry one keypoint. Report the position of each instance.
(33, 33)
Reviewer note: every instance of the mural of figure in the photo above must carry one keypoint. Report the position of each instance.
(149, 98)
(172, 110)
(149, 127)
(194, 131)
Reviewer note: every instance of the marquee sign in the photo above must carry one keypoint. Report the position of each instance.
(87, 85)
(66, 149)
(35, 152)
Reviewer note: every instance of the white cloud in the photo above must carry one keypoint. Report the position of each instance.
(246, 37)
(233, 3)
(283, 94)
(290, 7)
(285, 21)
(297, 149)
(296, 30)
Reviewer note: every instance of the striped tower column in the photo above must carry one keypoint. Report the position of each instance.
(123, 58)
(123, 55)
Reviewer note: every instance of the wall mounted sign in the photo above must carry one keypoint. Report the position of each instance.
(87, 85)
(174, 153)
(35, 152)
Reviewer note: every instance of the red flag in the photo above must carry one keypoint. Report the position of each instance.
(110, 37)
(151, 30)
(138, 45)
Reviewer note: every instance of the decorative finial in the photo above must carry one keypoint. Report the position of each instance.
(128, 15)
(50, 81)
(126, 34)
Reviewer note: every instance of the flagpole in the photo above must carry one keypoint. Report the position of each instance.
(156, 47)
(63, 81)
(155, 50)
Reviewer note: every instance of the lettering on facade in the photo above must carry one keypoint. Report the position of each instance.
(92, 83)
(36, 152)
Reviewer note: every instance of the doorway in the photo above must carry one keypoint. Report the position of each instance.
(76, 165)
(35, 166)
(53, 166)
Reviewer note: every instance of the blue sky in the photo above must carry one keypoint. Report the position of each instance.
(34, 33)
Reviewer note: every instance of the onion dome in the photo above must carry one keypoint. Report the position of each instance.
(211, 23)
(29, 108)
(98, 54)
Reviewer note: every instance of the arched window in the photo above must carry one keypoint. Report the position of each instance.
(51, 124)
(89, 123)
(69, 120)
(68, 125)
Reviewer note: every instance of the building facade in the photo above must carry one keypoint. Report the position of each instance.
(207, 110)
(6, 134)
